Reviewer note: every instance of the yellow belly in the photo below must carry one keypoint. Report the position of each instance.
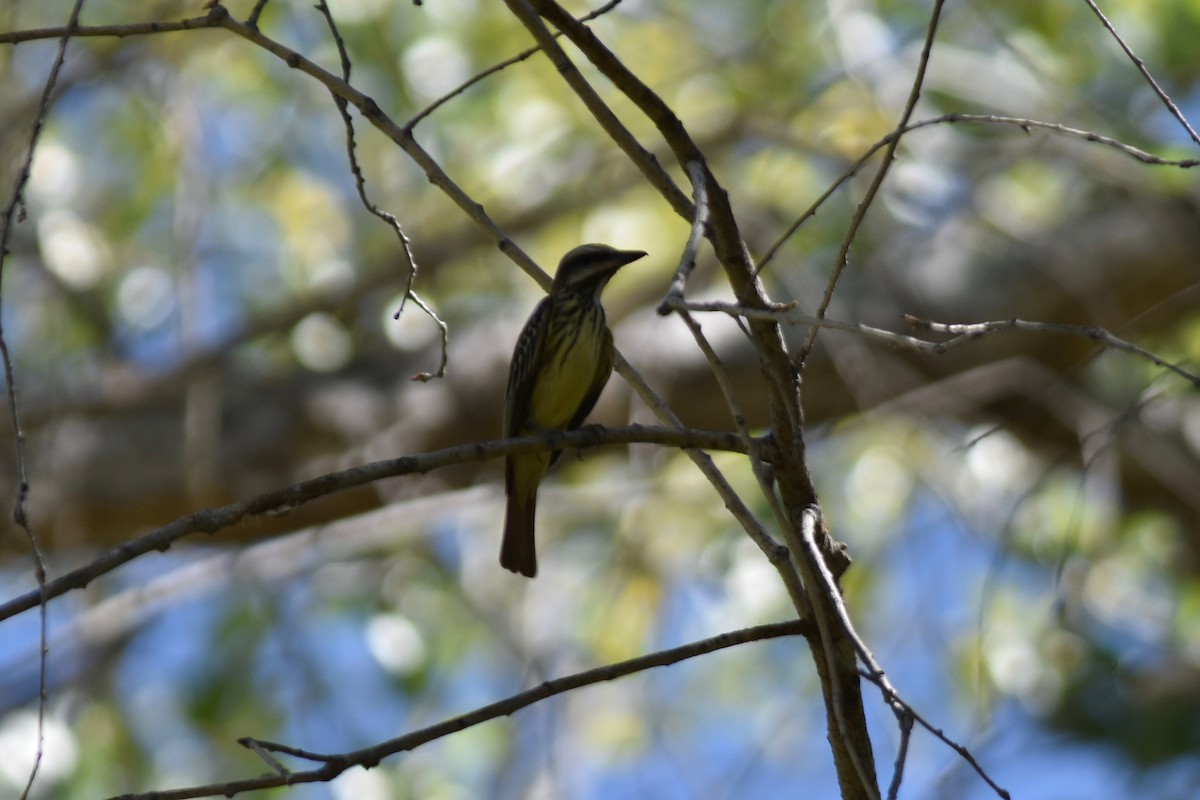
(561, 390)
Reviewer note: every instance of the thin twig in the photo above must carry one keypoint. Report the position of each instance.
(508, 62)
(674, 301)
(762, 473)
(963, 333)
(874, 672)
(16, 208)
(885, 166)
(116, 31)
(906, 726)
(1141, 66)
(360, 183)
(335, 764)
(966, 332)
(1063, 130)
(642, 158)
(776, 553)
(256, 12)
(443, 330)
(939, 734)
(1023, 123)
(700, 222)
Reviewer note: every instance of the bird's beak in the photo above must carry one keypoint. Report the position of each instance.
(623, 257)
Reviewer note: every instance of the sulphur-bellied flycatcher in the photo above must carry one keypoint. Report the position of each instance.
(562, 360)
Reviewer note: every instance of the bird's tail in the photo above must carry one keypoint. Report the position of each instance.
(517, 551)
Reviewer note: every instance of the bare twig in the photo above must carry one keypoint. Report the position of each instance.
(905, 714)
(673, 301)
(821, 583)
(939, 734)
(1063, 130)
(642, 158)
(335, 764)
(776, 553)
(508, 62)
(786, 312)
(117, 31)
(256, 12)
(906, 726)
(885, 166)
(1141, 66)
(16, 208)
(965, 332)
(987, 119)
(443, 329)
(700, 222)
(360, 183)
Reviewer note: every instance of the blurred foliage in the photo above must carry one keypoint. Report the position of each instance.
(200, 308)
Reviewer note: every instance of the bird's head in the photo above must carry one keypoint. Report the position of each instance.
(589, 266)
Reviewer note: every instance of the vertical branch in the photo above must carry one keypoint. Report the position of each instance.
(776, 553)
(19, 513)
(700, 222)
(674, 301)
(845, 719)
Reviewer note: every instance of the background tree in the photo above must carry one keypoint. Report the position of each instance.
(199, 283)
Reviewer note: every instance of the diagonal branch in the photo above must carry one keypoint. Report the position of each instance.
(334, 765)
(642, 158)
(1141, 67)
(855, 769)
(497, 67)
(885, 166)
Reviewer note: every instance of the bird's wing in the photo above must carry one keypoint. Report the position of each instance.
(522, 372)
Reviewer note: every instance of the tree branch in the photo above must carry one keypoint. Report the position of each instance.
(334, 765)
(885, 166)
(280, 501)
(1141, 67)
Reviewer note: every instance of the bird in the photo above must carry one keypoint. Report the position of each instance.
(562, 360)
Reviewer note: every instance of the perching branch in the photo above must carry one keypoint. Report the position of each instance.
(279, 501)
